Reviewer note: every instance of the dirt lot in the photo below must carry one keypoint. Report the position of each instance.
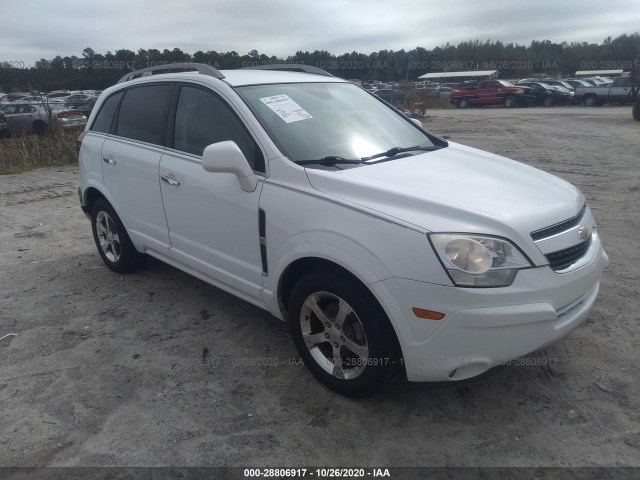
(112, 370)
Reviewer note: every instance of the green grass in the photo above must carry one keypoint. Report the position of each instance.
(20, 153)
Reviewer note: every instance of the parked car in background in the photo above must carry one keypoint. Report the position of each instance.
(491, 92)
(4, 128)
(12, 97)
(546, 94)
(33, 99)
(58, 95)
(576, 82)
(38, 118)
(77, 98)
(620, 91)
(598, 81)
(560, 83)
(86, 107)
(564, 90)
(445, 91)
(388, 95)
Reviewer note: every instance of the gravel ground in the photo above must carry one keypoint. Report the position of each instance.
(154, 368)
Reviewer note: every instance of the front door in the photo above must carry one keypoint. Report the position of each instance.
(213, 223)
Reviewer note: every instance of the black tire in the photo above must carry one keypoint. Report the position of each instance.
(636, 110)
(113, 242)
(590, 101)
(365, 327)
(549, 102)
(509, 101)
(463, 103)
(40, 128)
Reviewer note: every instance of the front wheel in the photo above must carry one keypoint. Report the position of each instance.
(463, 103)
(636, 110)
(342, 334)
(548, 102)
(113, 242)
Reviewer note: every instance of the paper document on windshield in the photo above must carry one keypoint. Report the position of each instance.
(286, 108)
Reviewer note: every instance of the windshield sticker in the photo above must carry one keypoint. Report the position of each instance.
(285, 108)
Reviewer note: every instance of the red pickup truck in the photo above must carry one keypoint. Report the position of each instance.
(492, 92)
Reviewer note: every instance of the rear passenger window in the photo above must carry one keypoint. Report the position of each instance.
(104, 118)
(142, 113)
(203, 118)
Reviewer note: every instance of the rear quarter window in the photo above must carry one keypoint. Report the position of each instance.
(104, 118)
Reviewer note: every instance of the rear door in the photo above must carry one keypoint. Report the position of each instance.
(486, 93)
(23, 118)
(131, 163)
(620, 90)
(213, 223)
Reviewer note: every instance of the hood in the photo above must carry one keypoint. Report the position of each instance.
(457, 189)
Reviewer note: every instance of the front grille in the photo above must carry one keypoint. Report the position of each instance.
(559, 227)
(565, 258)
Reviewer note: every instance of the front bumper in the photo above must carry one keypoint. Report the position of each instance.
(485, 327)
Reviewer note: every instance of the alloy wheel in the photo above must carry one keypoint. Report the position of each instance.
(108, 236)
(334, 335)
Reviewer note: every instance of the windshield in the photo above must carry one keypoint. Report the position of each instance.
(309, 121)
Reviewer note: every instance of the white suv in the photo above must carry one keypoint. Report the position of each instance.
(387, 249)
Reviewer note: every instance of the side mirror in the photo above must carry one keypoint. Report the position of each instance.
(417, 122)
(226, 157)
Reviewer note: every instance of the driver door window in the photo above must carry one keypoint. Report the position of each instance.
(203, 118)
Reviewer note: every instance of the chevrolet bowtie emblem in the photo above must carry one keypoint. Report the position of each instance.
(584, 233)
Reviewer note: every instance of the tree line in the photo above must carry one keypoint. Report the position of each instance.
(93, 70)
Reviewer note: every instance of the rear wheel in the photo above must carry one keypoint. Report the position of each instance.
(40, 128)
(590, 101)
(636, 110)
(463, 103)
(113, 242)
(509, 102)
(342, 334)
(548, 102)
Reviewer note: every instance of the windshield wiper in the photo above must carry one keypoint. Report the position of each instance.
(392, 152)
(329, 161)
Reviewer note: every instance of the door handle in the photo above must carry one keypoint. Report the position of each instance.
(170, 181)
(110, 161)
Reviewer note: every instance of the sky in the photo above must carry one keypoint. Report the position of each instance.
(37, 29)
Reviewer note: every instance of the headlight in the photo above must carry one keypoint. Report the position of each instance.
(478, 260)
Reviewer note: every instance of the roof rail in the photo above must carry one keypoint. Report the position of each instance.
(201, 68)
(291, 67)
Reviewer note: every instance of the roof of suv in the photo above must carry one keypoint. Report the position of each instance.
(258, 75)
(238, 78)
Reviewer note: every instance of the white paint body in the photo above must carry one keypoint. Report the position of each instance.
(373, 221)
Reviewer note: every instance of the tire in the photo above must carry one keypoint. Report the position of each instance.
(636, 110)
(509, 101)
(463, 103)
(113, 242)
(40, 128)
(590, 101)
(548, 102)
(342, 334)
